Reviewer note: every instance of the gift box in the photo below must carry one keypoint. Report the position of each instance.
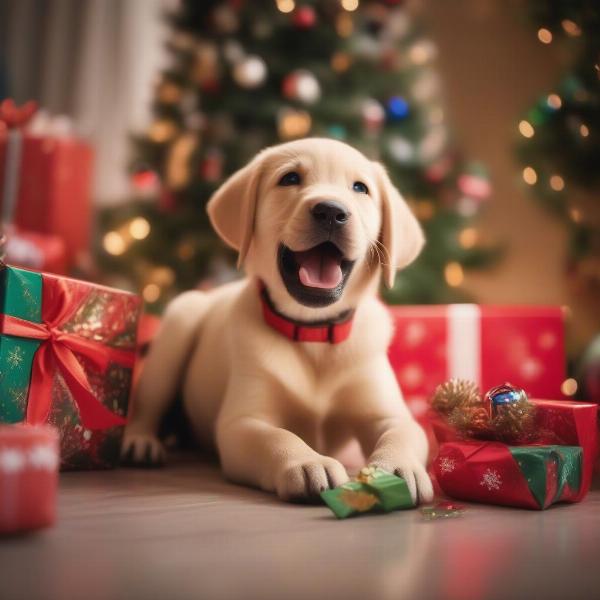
(28, 477)
(556, 422)
(67, 351)
(484, 344)
(42, 252)
(373, 490)
(53, 188)
(522, 476)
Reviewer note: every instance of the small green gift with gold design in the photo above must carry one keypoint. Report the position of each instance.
(372, 490)
(67, 352)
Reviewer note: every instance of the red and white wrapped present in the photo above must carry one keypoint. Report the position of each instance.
(485, 344)
(29, 460)
(45, 184)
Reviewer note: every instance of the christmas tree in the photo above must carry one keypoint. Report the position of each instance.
(560, 144)
(560, 154)
(245, 75)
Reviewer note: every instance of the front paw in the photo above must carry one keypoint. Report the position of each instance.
(303, 481)
(141, 450)
(412, 470)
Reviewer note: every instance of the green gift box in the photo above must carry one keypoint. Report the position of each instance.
(374, 490)
(67, 351)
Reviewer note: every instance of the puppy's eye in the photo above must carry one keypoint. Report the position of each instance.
(291, 178)
(360, 187)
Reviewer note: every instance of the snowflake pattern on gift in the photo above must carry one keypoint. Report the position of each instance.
(15, 357)
(491, 480)
(447, 465)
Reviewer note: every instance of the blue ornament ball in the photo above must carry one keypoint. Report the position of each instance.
(398, 107)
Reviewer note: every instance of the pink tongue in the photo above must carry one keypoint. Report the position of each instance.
(318, 269)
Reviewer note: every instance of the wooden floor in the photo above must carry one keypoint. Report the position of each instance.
(183, 532)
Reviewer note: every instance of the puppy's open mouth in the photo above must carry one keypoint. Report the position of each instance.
(314, 277)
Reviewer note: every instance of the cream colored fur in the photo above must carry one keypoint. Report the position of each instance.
(278, 411)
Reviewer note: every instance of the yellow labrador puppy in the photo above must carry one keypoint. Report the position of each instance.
(278, 371)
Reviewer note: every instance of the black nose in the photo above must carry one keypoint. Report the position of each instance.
(330, 215)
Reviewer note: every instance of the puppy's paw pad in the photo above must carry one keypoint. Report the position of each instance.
(304, 481)
(415, 475)
(142, 450)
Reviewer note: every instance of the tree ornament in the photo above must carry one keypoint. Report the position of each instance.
(401, 149)
(454, 393)
(167, 201)
(162, 131)
(225, 19)
(304, 17)
(397, 108)
(475, 185)
(205, 70)
(505, 414)
(233, 51)
(211, 168)
(301, 85)
(373, 115)
(467, 207)
(293, 123)
(251, 72)
(169, 92)
(422, 51)
(178, 170)
(512, 415)
(337, 131)
(145, 182)
(340, 62)
(438, 170)
(433, 144)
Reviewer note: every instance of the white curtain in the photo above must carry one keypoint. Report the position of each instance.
(92, 60)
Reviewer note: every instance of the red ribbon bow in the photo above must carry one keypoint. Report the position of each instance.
(57, 352)
(16, 116)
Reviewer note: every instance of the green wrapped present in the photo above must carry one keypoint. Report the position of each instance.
(373, 490)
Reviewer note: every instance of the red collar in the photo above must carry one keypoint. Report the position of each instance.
(333, 331)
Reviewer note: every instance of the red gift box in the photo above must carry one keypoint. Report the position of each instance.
(485, 344)
(54, 189)
(67, 352)
(37, 251)
(523, 476)
(557, 422)
(28, 477)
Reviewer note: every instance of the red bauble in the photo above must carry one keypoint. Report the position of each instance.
(167, 202)
(211, 168)
(304, 17)
(289, 85)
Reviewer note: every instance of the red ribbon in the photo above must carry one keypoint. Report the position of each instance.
(57, 352)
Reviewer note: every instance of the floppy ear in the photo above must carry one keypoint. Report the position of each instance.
(401, 235)
(232, 207)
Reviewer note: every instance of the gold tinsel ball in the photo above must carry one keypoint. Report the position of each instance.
(514, 422)
(471, 421)
(455, 393)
